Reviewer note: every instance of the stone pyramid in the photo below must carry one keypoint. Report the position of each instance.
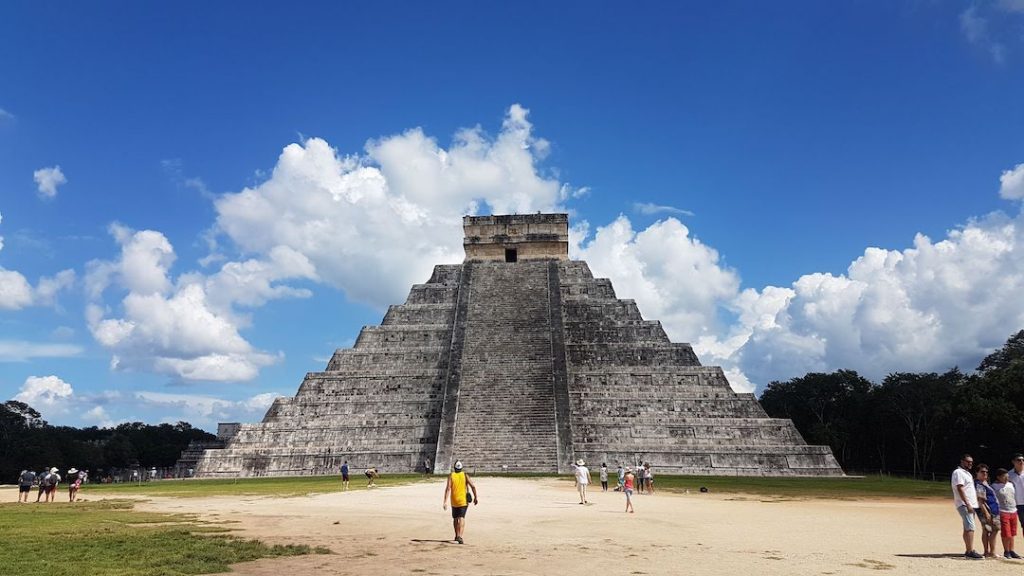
(518, 359)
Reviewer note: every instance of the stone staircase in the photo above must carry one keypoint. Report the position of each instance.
(526, 365)
(506, 414)
(376, 404)
(635, 396)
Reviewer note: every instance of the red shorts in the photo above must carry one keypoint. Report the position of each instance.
(1008, 523)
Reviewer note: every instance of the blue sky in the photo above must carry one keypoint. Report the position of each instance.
(188, 191)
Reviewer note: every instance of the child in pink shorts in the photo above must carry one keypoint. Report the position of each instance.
(1007, 511)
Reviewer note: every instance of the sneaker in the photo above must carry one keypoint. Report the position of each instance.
(973, 555)
(459, 540)
(1012, 554)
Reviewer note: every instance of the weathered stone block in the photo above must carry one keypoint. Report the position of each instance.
(526, 365)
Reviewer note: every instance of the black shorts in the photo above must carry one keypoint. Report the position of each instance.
(24, 488)
(459, 511)
(344, 477)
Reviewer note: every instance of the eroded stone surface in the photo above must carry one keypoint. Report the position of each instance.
(520, 366)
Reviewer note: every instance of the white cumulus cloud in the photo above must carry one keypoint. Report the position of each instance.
(47, 181)
(673, 276)
(1011, 183)
(188, 327)
(44, 391)
(928, 307)
(16, 292)
(931, 306)
(374, 224)
(97, 415)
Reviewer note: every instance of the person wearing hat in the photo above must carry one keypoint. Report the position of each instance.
(457, 492)
(1016, 477)
(48, 485)
(582, 479)
(74, 483)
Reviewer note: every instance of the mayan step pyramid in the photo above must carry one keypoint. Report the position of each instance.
(518, 359)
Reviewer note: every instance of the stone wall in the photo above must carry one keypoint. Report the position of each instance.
(530, 236)
(522, 366)
(636, 397)
(377, 404)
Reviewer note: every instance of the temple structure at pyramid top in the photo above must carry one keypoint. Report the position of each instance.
(516, 237)
(518, 359)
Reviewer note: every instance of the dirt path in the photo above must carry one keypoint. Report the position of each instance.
(537, 527)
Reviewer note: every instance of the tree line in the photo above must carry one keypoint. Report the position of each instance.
(29, 442)
(911, 423)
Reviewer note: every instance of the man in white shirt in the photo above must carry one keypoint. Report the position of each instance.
(965, 498)
(1017, 479)
(582, 480)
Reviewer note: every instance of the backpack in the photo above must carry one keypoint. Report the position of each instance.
(49, 480)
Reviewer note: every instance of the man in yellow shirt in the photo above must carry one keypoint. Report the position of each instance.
(457, 491)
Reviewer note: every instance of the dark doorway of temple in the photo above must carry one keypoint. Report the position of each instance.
(510, 255)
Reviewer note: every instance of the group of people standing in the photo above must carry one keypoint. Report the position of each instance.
(629, 482)
(47, 481)
(994, 499)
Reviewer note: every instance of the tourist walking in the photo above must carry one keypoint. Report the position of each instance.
(344, 475)
(627, 488)
(582, 480)
(621, 478)
(459, 491)
(1006, 494)
(649, 477)
(987, 511)
(965, 499)
(639, 477)
(604, 477)
(25, 481)
(74, 483)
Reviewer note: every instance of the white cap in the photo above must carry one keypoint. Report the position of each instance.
(458, 465)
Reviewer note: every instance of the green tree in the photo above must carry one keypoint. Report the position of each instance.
(921, 407)
(1012, 353)
(827, 408)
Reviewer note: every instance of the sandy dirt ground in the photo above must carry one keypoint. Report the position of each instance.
(538, 527)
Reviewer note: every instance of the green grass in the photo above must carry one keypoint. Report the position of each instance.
(108, 538)
(849, 487)
(284, 486)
